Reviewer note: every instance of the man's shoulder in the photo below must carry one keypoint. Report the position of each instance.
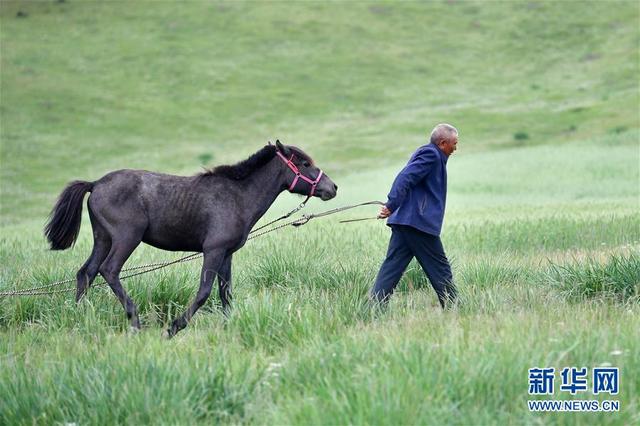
(431, 150)
(428, 147)
(428, 150)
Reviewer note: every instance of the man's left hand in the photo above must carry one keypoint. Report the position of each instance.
(384, 212)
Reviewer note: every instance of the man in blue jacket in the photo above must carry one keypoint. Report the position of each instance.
(415, 211)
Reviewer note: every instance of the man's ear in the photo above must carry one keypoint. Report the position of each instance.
(283, 149)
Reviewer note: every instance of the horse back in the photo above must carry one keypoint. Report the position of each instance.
(178, 212)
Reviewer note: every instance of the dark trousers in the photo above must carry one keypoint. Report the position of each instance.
(405, 244)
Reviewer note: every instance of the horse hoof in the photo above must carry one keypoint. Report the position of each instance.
(134, 330)
(166, 335)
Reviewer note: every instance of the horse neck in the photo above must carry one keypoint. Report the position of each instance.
(262, 188)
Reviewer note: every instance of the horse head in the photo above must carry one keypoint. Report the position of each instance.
(305, 177)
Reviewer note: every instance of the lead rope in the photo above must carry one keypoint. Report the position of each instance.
(41, 290)
(297, 209)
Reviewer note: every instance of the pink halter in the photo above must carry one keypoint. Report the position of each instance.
(299, 175)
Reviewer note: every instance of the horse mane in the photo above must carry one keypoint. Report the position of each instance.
(244, 168)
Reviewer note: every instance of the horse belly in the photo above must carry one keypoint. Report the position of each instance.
(172, 239)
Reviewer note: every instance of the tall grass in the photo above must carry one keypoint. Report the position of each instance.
(619, 278)
(271, 364)
(303, 345)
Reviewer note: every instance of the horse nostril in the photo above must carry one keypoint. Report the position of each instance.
(335, 187)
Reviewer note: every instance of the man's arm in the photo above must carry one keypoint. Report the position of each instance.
(417, 169)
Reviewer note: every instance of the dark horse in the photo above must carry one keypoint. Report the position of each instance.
(212, 213)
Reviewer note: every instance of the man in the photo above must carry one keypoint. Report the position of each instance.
(415, 210)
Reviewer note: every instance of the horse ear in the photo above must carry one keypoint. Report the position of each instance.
(283, 149)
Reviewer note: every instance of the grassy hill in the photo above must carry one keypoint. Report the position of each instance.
(542, 224)
(90, 87)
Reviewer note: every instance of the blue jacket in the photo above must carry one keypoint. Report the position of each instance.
(419, 193)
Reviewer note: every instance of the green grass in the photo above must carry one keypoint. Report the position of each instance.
(542, 224)
(618, 278)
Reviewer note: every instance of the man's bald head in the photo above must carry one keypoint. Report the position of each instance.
(443, 132)
(445, 136)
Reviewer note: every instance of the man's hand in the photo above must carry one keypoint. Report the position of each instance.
(384, 212)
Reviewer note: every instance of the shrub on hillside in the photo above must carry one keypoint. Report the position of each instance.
(521, 136)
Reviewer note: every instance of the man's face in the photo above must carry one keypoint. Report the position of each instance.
(449, 145)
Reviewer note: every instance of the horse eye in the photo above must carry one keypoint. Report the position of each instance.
(306, 164)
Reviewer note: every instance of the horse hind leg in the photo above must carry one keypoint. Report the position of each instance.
(101, 247)
(121, 249)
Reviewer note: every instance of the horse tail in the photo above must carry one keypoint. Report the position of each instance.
(64, 221)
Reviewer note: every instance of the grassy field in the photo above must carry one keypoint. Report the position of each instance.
(542, 224)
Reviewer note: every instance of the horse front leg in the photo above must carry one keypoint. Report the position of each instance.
(224, 285)
(210, 266)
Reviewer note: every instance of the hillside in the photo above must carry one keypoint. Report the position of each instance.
(90, 87)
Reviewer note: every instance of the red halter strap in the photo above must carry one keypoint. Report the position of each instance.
(299, 175)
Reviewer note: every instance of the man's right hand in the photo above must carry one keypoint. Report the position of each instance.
(384, 212)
